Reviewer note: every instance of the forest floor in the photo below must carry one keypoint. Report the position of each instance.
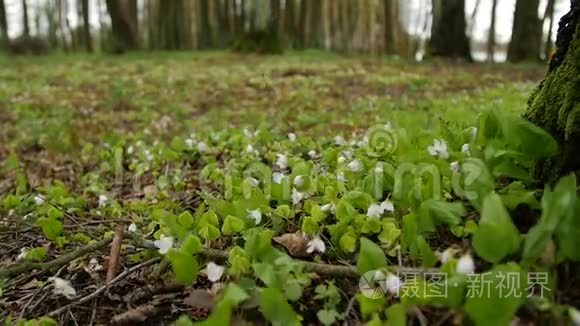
(138, 147)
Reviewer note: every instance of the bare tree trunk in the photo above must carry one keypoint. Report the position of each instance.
(26, 26)
(3, 24)
(549, 15)
(526, 32)
(205, 33)
(491, 37)
(123, 36)
(86, 26)
(290, 29)
(448, 38)
(392, 26)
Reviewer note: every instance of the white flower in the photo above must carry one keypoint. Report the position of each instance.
(103, 200)
(282, 161)
(454, 166)
(355, 166)
(277, 177)
(388, 206)
(132, 227)
(393, 284)
(341, 159)
(214, 271)
(248, 133)
(299, 181)
(447, 255)
(363, 142)
(465, 265)
(339, 140)
(253, 182)
(164, 244)
(312, 154)
(255, 215)
(439, 149)
(250, 149)
(130, 149)
(39, 199)
(375, 211)
(202, 147)
(315, 244)
(292, 137)
(94, 265)
(473, 133)
(574, 315)
(327, 207)
(63, 287)
(297, 196)
(465, 149)
(340, 177)
(22, 254)
(148, 155)
(189, 142)
(388, 125)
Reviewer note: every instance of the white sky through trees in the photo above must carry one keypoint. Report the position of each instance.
(411, 18)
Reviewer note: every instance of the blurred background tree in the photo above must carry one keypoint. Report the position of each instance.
(460, 29)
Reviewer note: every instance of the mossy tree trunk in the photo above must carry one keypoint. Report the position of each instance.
(448, 38)
(555, 104)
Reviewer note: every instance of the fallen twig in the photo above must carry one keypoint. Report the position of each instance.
(21, 268)
(139, 314)
(114, 257)
(100, 290)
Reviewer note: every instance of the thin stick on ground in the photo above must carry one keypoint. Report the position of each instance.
(25, 267)
(100, 290)
(115, 256)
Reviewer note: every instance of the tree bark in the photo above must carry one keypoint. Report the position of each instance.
(26, 26)
(491, 37)
(555, 104)
(448, 37)
(86, 26)
(549, 16)
(290, 22)
(123, 37)
(3, 24)
(526, 32)
(392, 26)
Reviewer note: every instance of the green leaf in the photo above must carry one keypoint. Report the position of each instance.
(235, 294)
(527, 137)
(496, 237)
(275, 308)
(232, 225)
(209, 232)
(371, 256)
(52, 228)
(192, 244)
(327, 316)
(442, 212)
(185, 219)
(397, 315)
(184, 266)
(390, 232)
(266, 273)
(36, 254)
(536, 241)
(500, 306)
(348, 241)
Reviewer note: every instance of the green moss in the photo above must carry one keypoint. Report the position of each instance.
(555, 106)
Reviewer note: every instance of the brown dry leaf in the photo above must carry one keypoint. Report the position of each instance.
(296, 243)
(150, 191)
(200, 298)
